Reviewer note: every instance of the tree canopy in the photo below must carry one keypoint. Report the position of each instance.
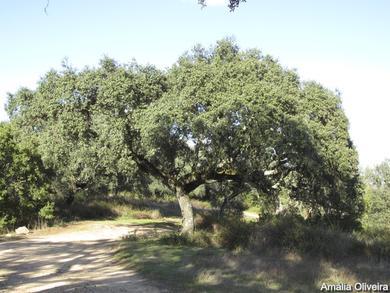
(219, 115)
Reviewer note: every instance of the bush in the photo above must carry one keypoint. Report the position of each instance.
(234, 233)
(227, 232)
(199, 239)
(283, 232)
(176, 238)
(291, 233)
(5, 223)
(47, 211)
(287, 233)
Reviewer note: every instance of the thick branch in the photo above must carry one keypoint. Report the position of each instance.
(192, 185)
(148, 167)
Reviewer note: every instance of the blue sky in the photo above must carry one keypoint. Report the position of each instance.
(342, 44)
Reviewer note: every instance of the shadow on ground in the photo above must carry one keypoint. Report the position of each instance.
(66, 265)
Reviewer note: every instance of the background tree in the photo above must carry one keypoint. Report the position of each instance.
(377, 197)
(79, 121)
(25, 192)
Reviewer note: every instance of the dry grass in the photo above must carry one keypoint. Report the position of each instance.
(120, 206)
(194, 269)
(231, 255)
(11, 237)
(120, 210)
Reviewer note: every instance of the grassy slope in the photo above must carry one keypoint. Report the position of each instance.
(187, 268)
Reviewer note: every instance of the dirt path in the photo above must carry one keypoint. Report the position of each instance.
(70, 260)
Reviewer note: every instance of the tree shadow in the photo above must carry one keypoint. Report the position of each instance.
(193, 269)
(85, 266)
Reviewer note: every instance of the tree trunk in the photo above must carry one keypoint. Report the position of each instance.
(186, 211)
(222, 208)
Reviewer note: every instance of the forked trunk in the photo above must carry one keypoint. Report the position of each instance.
(186, 211)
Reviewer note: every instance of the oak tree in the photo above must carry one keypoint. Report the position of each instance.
(221, 116)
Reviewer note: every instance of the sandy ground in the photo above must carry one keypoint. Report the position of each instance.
(69, 260)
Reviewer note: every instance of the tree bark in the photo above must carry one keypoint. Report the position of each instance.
(186, 211)
(222, 208)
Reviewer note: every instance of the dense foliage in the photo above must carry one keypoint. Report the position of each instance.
(24, 183)
(232, 116)
(377, 197)
(225, 116)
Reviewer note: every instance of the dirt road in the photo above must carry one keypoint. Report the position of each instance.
(69, 260)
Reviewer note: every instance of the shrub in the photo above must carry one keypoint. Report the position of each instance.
(286, 232)
(280, 231)
(234, 233)
(227, 232)
(47, 211)
(292, 233)
(175, 238)
(6, 222)
(199, 238)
